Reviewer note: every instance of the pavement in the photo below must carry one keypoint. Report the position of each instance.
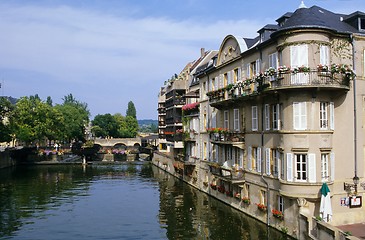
(356, 230)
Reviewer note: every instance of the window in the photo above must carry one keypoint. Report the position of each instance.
(280, 203)
(237, 75)
(226, 120)
(254, 118)
(276, 116)
(267, 116)
(276, 155)
(326, 115)
(362, 23)
(324, 167)
(301, 167)
(299, 58)
(225, 80)
(257, 157)
(273, 60)
(323, 115)
(236, 120)
(269, 161)
(324, 55)
(300, 116)
(248, 71)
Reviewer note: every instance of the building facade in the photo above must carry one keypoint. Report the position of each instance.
(280, 115)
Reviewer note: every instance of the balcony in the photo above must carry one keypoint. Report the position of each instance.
(282, 80)
(219, 136)
(226, 173)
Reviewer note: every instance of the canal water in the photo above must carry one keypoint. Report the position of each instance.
(119, 201)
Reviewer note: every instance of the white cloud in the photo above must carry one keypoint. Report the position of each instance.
(89, 48)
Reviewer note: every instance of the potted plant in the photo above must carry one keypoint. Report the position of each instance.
(246, 200)
(278, 214)
(261, 207)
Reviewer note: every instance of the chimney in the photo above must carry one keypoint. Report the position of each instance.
(202, 52)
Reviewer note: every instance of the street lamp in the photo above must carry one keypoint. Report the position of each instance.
(349, 186)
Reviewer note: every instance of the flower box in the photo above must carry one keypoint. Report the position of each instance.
(246, 200)
(261, 207)
(278, 214)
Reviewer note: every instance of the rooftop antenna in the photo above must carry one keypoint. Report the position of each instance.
(302, 5)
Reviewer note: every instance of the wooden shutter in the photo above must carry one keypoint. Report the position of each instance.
(312, 168)
(289, 167)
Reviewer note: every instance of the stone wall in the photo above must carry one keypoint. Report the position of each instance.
(5, 160)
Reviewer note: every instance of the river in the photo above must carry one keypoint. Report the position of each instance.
(116, 201)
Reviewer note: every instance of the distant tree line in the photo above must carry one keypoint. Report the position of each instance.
(32, 121)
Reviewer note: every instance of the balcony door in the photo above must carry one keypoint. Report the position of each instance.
(299, 58)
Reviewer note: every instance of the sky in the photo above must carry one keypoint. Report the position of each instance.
(109, 52)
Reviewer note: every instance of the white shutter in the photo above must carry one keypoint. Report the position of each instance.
(279, 162)
(254, 118)
(332, 116)
(249, 158)
(257, 66)
(241, 157)
(239, 74)
(324, 55)
(267, 116)
(216, 83)
(229, 77)
(221, 83)
(332, 160)
(248, 71)
(268, 161)
(214, 120)
(312, 168)
(259, 160)
(289, 167)
(278, 116)
(300, 116)
(236, 120)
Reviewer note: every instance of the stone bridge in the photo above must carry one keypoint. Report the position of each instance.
(111, 142)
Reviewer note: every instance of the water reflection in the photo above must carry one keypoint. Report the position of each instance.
(124, 201)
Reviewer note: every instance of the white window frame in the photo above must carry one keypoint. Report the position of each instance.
(325, 176)
(281, 203)
(301, 167)
(299, 58)
(236, 119)
(267, 116)
(254, 118)
(273, 60)
(226, 119)
(258, 160)
(323, 115)
(268, 161)
(324, 52)
(300, 115)
(276, 117)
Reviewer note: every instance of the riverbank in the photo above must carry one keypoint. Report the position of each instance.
(200, 174)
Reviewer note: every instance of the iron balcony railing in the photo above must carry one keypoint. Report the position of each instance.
(279, 81)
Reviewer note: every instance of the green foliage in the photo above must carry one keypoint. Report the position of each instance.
(129, 127)
(6, 109)
(105, 126)
(131, 110)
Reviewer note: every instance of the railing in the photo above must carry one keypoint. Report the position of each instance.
(226, 172)
(278, 81)
(227, 137)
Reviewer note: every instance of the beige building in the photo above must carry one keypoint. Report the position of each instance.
(280, 117)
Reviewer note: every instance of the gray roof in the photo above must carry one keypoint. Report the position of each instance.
(317, 17)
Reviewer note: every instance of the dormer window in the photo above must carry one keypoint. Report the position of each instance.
(262, 37)
(362, 23)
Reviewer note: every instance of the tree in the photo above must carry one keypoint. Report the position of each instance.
(31, 119)
(6, 109)
(131, 110)
(129, 127)
(49, 101)
(107, 126)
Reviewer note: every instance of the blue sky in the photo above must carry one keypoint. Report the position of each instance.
(107, 53)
